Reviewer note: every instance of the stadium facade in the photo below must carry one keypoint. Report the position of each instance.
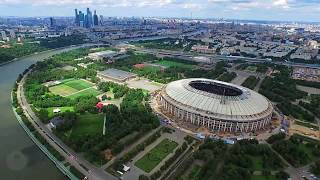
(216, 105)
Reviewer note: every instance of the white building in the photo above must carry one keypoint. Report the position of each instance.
(3, 35)
(12, 34)
(102, 55)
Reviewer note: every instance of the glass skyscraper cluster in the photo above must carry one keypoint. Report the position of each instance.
(86, 20)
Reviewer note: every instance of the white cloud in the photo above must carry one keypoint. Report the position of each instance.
(203, 8)
(193, 6)
(111, 3)
(281, 3)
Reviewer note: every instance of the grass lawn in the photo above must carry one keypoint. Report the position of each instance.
(110, 94)
(87, 92)
(87, 124)
(146, 70)
(63, 109)
(78, 84)
(257, 163)
(251, 68)
(150, 160)
(256, 177)
(70, 86)
(145, 92)
(308, 150)
(150, 69)
(62, 90)
(308, 146)
(194, 173)
(173, 63)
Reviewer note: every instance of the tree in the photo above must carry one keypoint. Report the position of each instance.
(143, 177)
(315, 168)
(104, 97)
(282, 175)
(69, 119)
(43, 115)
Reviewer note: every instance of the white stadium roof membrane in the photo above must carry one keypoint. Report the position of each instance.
(241, 105)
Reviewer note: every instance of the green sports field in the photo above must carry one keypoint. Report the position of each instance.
(62, 90)
(150, 160)
(74, 88)
(86, 92)
(78, 84)
(174, 64)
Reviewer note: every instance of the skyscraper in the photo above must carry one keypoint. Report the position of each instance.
(84, 20)
(88, 19)
(101, 20)
(77, 20)
(52, 22)
(81, 19)
(95, 19)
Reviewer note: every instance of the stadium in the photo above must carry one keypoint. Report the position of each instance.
(216, 105)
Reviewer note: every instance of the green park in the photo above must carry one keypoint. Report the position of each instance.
(156, 155)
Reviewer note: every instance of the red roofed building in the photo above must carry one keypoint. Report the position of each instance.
(99, 106)
(139, 66)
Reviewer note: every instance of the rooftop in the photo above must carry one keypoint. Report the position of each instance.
(117, 74)
(217, 98)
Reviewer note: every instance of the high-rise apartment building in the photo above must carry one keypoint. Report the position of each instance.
(3, 35)
(12, 34)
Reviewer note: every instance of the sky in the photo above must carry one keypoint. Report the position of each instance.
(283, 10)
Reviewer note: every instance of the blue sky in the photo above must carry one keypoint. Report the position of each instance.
(288, 10)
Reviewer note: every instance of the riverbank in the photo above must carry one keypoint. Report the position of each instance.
(50, 156)
(60, 150)
(20, 158)
(42, 52)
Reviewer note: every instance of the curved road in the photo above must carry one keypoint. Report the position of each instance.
(20, 158)
(81, 164)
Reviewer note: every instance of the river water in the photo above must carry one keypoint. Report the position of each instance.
(20, 158)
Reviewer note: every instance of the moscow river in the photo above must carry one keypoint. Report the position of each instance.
(20, 158)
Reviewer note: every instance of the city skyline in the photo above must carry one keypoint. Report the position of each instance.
(271, 10)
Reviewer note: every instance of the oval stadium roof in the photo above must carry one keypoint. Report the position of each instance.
(245, 103)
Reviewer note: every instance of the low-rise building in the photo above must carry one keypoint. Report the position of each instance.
(115, 75)
(103, 55)
(305, 53)
(56, 121)
(203, 49)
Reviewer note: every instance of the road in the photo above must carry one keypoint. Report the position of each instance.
(190, 57)
(73, 158)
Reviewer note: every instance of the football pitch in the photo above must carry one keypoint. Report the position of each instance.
(74, 88)
(86, 92)
(62, 90)
(78, 84)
